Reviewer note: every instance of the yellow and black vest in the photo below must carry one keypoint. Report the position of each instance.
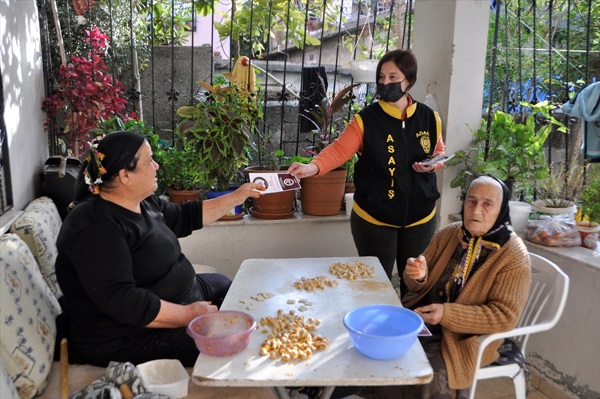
(387, 187)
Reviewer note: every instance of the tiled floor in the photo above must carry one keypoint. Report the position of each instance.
(498, 388)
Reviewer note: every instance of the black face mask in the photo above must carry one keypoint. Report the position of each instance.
(390, 92)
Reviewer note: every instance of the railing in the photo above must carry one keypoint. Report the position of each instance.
(537, 50)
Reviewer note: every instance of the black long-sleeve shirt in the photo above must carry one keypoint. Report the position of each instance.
(114, 266)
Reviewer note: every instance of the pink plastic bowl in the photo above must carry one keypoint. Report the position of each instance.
(223, 333)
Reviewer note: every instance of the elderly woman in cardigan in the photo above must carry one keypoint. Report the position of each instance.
(472, 279)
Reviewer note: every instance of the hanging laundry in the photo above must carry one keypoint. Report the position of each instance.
(586, 105)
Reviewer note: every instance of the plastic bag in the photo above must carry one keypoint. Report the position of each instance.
(553, 231)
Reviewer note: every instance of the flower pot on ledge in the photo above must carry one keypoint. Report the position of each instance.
(590, 233)
(280, 205)
(181, 196)
(236, 213)
(323, 195)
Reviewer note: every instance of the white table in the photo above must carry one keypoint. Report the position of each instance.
(340, 363)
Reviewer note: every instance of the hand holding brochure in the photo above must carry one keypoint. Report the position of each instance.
(275, 181)
(437, 159)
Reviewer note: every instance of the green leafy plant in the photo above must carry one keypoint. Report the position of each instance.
(169, 23)
(179, 167)
(590, 198)
(219, 129)
(268, 19)
(326, 120)
(85, 94)
(509, 149)
(264, 153)
(562, 187)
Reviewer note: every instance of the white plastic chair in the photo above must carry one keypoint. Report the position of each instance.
(546, 302)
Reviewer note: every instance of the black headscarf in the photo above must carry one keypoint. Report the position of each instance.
(503, 218)
(470, 258)
(107, 156)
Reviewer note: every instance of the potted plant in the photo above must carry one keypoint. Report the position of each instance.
(590, 211)
(278, 205)
(323, 195)
(85, 94)
(508, 149)
(219, 129)
(180, 172)
(557, 194)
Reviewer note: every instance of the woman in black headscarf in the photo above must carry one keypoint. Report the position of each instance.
(128, 291)
(472, 279)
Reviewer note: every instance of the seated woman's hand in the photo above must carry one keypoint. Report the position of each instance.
(416, 268)
(195, 309)
(251, 190)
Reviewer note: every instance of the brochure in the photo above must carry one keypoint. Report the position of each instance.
(275, 181)
(437, 159)
(425, 332)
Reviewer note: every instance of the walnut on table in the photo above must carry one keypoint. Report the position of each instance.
(313, 283)
(352, 271)
(292, 337)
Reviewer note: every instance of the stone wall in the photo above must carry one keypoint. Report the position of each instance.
(168, 82)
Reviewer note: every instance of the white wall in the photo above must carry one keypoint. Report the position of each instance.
(569, 354)
(225, 245)
(23, 86)
(450, 42)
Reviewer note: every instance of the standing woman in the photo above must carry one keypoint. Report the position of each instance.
(128, 291)
(393, 216)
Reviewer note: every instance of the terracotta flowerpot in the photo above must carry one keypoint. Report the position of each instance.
(590, 233)
(323, 195)
(181, 196)
(274, 205)
(278, 205)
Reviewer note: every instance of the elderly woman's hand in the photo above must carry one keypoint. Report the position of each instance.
(431, 314)
(416, 268)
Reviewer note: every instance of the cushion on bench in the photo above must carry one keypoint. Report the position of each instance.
(28, 312)
(38, 226)
(7, 386)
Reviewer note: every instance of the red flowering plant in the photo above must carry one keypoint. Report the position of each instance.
(85, 94)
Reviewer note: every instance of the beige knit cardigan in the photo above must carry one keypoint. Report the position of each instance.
(491, 301)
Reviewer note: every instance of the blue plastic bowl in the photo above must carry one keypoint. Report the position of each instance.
(383, 332)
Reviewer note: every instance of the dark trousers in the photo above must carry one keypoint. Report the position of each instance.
(391, 244)
(145, 344)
